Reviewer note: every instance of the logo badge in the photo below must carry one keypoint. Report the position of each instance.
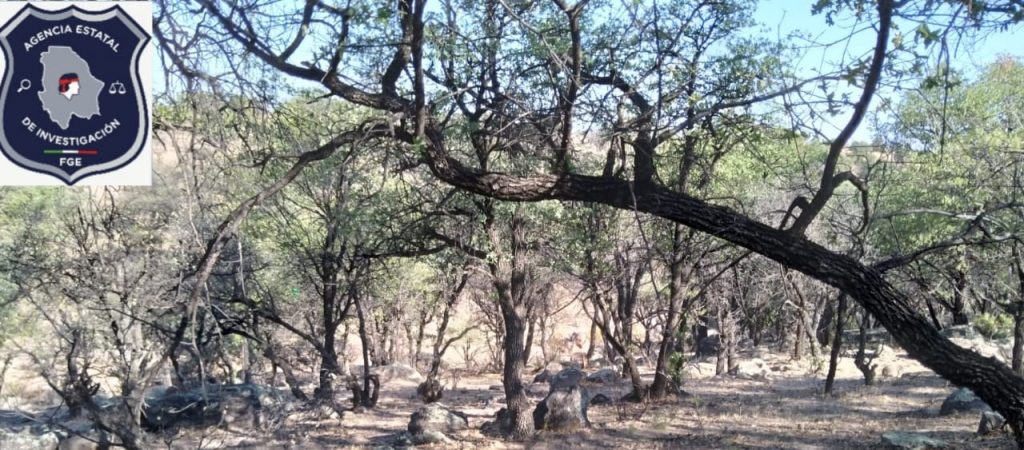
(71, 100)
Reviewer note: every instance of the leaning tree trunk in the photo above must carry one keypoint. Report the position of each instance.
(991, 380)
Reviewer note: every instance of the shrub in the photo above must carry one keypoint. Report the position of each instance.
(994, 326)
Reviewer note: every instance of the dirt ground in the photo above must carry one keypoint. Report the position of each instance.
(786, 411)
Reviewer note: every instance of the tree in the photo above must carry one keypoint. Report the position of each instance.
(470, 81)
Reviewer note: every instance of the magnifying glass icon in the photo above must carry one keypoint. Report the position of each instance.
(25, 84)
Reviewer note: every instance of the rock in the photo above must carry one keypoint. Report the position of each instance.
(959, 331)
(905, 440)
(603, 376)
(564, 409)
(698, 370)
(991, 421)
(434, 422)
(542, 376)
(754, 369)
(600, 399)
(91, 441)
(599, 361)
(985, 347)
(537, 390)
(497, 426)
(395, 372)
(571, 365)
(709, 345)
(28, 438)
(495, 387)
(885, 352)
(891, 371)
(498, 399)
(246, 405)
(430, 391)
(567, 361)
(962, 400)
(566, 378)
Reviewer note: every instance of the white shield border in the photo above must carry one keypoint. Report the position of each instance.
(89, 16)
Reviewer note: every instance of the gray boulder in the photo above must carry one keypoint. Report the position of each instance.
(497, 427)
(246, 405)
(905, 440)
(709, 346)
(962, 400)
(536, 389)
(28, 438)
(565, 407)
(606, 375)
(395, 372)
(598, 361)
(754, 369)
(566, 378)
(434, 422)
(600, 399)
(959, 331)
(542, 376)
(991, 422)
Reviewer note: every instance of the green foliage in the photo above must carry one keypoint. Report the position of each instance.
(994, 326)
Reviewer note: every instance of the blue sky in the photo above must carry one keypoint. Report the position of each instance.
(783, 17)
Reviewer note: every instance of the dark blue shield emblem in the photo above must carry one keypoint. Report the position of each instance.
(71, 100)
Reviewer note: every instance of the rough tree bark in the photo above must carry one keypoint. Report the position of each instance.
(837, 344)
(509, 276)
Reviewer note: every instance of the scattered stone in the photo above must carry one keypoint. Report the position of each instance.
(885, 352)
(906, 440)
(497, 426)
(394, 372)
(430, 391)
(565, 407)
(991, 422)
(699, 370)
(246, 405)
(891, 371)
(604, 376)
(709, 345)
(542, 376)
(28, 438)
(600, 399)
(434, 422)
(500, 399)
(754, 369)
(567, 362)
(959, 331)
(598, 361)
(537, 390)
(962, 400)
(567, 378)
(90, 441)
